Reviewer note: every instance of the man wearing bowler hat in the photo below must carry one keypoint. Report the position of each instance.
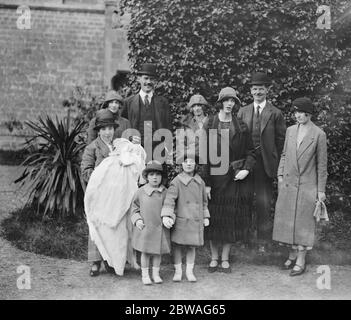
(267, 126)
(146, 107)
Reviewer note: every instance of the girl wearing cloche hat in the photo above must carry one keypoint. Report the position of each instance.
(150, 237)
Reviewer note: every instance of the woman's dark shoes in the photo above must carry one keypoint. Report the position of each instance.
(301, 270)
(226, 268)
(213, 267)
(95, 269)
(288, 264)
(108, 268)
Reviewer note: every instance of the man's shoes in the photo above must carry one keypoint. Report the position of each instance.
(301, 270)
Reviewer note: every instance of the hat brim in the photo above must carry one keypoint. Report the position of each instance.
(112, 124)
(260, 83)
(227, 97)
(145, 73)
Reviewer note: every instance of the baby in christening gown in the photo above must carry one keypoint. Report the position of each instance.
(108, 199)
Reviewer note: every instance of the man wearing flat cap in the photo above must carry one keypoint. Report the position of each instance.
(146, 107)
(267, 126)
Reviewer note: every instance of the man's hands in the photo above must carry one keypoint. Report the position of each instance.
(206, 222)
(321, 196)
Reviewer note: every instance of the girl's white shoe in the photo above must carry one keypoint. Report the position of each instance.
(156, 275)
(145, 278)
(189, 273)
(178, 273)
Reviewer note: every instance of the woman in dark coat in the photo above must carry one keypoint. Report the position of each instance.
(231, 191)
(302, 177)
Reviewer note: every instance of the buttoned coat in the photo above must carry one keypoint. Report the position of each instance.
(93, 154)
(304, 173)
(161, 112)
(154, 238)
(186, 204)
(273, 130)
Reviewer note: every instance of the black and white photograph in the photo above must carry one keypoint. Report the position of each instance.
(193, 152)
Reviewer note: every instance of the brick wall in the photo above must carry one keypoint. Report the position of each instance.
(64, 47)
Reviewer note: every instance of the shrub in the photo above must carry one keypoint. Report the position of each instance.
(202, 46)
(52, 173)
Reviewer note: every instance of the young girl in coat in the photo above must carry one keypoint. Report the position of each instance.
(185, 212)
(150, 237)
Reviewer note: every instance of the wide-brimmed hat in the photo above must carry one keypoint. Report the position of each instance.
(227, 93)
(113, 95)
(259, 79)
(151, 166)
(105, 118)
(303, 104)
(148, 69)
(196, 99)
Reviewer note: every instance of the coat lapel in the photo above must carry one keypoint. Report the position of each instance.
(266, 114)
(135, 108)
(293, 137)
(306, 142)
(249, 116)
(105, 151)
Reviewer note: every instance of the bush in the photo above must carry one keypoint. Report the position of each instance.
(202, 46)
(52, 173)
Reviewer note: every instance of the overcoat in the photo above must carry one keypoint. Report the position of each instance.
(304, 172)
(154, 238)
(93, 154)
(186, 204)
(272, 134)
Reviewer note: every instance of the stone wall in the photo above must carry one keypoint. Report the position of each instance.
(69, 43)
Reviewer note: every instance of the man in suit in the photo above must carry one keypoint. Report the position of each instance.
(267, 126)
(147, 109)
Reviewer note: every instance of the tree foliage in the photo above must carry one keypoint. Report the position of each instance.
(201, 46)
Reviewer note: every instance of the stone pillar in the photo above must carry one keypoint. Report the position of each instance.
(116, 44)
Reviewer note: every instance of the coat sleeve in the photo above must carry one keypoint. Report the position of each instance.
(92, 134)
(280, 131)
(169, 204)
(205, 202)
(250, 156)
(135, 210)
(322, 160)
(88, 162)
(280, 172)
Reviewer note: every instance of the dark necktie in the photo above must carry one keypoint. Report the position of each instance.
(146, 101)
(257, 112)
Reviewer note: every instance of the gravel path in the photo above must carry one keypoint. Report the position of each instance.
(67, 279)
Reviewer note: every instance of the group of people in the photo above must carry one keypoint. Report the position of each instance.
(130, 209)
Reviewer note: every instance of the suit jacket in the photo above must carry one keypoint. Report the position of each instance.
(273, 130)
(161, 112)
(304, 173)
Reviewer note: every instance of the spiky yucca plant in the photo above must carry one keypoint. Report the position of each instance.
(52, 173)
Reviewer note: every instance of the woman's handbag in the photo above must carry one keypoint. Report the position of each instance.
(320, 212)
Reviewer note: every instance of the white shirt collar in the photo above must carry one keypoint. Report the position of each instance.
(143, 94)
(262, 105)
